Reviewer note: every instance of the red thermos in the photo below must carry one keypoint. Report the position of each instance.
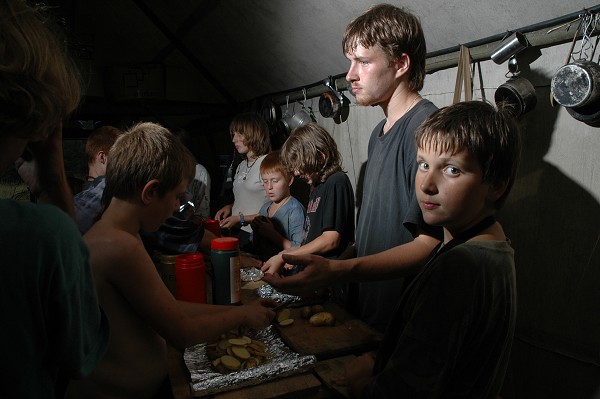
(190, 278)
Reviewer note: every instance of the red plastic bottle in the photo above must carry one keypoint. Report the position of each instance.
(190, 278)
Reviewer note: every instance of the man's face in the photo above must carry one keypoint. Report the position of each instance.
(371, 75)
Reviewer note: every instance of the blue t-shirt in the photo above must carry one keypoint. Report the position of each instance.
(288, 221)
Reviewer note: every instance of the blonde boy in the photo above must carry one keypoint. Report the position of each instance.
(148, 173)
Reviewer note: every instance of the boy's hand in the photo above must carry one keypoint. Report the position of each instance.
(223, 212)
(317, 272)
(273, 265)
(258, 313)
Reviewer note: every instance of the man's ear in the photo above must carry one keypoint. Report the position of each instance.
(402, 64)
(150, 191)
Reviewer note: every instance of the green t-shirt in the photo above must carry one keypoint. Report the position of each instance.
(52, 325)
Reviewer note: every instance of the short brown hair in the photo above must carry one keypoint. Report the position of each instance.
(146, 151)
(39, 83)
(489, 134)
(396, 31)
(272, 164)
(311, 150)
(255, 131)
(101, 139)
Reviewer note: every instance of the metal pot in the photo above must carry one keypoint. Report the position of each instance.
(576, 84)
(518, 92)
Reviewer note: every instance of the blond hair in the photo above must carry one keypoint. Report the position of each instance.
(147, 151)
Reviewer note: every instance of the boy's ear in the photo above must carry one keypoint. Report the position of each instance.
(291, 180)
(101, 157)
(496, 190)
(150, 191)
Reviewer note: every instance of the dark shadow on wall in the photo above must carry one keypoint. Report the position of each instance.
(554, 226)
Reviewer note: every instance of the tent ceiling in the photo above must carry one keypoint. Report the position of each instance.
(237, 50)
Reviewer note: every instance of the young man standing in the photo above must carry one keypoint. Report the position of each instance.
(386, 49)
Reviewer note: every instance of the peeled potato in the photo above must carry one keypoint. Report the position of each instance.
(286, 322)
(283, 315)
(230, 362)
(322, 319)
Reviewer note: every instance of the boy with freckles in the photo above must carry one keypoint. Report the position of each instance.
(451, 333)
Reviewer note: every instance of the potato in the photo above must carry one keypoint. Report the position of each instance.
(306, 312)
(283, 315)
(286, 322)
(317, 309)
(322, 319)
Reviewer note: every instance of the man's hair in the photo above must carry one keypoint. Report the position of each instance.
(255, 131)
(311, 150)
(491, 135)
(146, 151)
(101, 139)
(396, 31)
(39, 83)
(272, 164)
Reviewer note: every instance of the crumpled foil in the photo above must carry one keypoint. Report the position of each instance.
(205, 380)
(267, 291)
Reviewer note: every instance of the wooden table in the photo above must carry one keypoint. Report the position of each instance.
(332, 346)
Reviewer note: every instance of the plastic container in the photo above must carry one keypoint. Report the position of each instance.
(190, 278)
(213, 226)
(167, 272)
(227, 282)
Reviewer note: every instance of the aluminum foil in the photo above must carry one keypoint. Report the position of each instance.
(267, 291)
(205, 380)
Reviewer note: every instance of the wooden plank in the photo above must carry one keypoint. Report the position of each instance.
(296, 386)
(327, 369)
(348, 336)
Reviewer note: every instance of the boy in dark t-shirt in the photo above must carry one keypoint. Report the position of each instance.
(312, 155)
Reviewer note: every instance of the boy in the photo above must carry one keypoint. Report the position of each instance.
(451, 334)
(52, 327)
(312, 154)
(280, 224)
(87, 202)
(148, 172)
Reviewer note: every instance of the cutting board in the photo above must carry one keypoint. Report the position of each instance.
(348, 336)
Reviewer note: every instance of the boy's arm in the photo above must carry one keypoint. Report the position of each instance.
(320, 272)
(131, 271)
(327, 241)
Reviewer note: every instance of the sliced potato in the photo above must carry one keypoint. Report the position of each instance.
(286, 322)
(284, 314)
(240, 352)
(237, 341)
(230, 362)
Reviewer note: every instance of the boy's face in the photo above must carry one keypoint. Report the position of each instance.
(277, 187)
(450, 190)
(372, 77)
(164, 207)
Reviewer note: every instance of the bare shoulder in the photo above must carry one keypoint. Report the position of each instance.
(112, 248)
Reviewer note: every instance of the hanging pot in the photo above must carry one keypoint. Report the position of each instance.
(271, 112)
(518, 92)
(576, 86)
